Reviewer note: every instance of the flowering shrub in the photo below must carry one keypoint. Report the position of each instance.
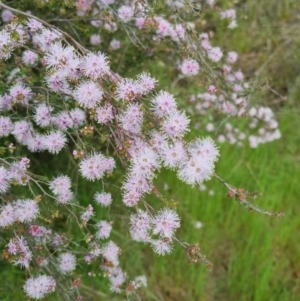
(63, 99)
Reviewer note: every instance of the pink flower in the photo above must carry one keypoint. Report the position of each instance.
(63, 120)
(77, 116)
(137, 184)
(29, 58)
(57, 82)
(215, 54)
(6, 15)
(7, 215)
(55, 141)
(6, 126)
(95, 165)
(176, 124)
(140, 225)
(195, 170)
(131, 198)
(174, 154)
(115, 44)
(144, 163)
(26, 210)
(239, 75)
(66, 263)
(105, 114)
(36, 230)
(58, 55)
(88, 94)
(45, 38)
(39, 287)
(212, 89)
(95, 65)
(163, 104)
(110, 252)
(22, 131)
(20, 94)
(190, 67)
(65, 197)
(165, 223)
(146, 83)
(103, 198)
(132, 118)
(95, 39)
(18, 246)
(87, 214)
(42, 115)
(103, 229)
(60, 185)
(161, 246)
(127, 89)
(34, 25)
(125, 13)
(231, 57)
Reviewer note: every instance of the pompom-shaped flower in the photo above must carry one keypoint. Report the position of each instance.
(103, 198)
(132, 119)
(95, 165)
(39, 287)
(7, 215)
(57, 55)
(206, 148)
(140, 225)
(26, 210)
(29, 58)
(43, 115)
(144, 163)
(22, 131)
(128, 89)
(231, 57)
(163, 104)
(20, 94)
(4, 179)
(103, 229)
(215, 54)
(60, 185)
(125, 13)
(161, 246)
(95, 65)
(173, 155)
(6, 126)
(196, 170)
(105, 114)
(190, 67)
(110, 252)
(146, 83)
(165, 223)
(66, 263)
(63, 120)
(176, 124)
(55, 141)
(88, 94)
(95, 39)
(78, 117)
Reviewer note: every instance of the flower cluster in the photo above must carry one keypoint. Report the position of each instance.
(108, 127)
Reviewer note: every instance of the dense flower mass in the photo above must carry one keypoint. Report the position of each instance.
(74, 111)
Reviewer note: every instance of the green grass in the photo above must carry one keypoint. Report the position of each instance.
(255, 257)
